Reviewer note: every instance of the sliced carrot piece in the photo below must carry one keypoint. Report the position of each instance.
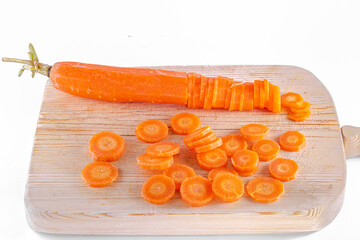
(228, 187)
(276, 99)
(270, 105)
(249, 97)
(152, 130)
(257, 93)
(154, 163)
(241, 97)
(245, 160)
(99, 174)
(196, 191)
(191, 80)
(220, 99)
(196, 135)
(185, 123)
(208, 138)
(197, 91)
(214, 158)
(210, 146)
(266, 149)
(106, 146)
(178, 172)
(234, 103)
(163, 149)
(215, 93)
(283, 169)
(209, 94)
(267, 90)
(254, 131)
(228, 93)
(233, 143)
(248, 173)
(292, 141)
(303, 108)
(302, 116)
(158, 189)
(262, 95)
(291, 99)
(265, 189)
(203, 87)
(214, 172)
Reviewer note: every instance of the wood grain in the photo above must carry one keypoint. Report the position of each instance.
(57, 201)
(351, 137)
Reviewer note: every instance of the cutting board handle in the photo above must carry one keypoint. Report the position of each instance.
(351, 138)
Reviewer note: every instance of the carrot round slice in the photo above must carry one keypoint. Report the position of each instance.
(228, 187)
(178, 172)
(235, 97)
(248, 173)
(266, 149)
(283, 169)
(209, 93)
(163, 149)
(241, 96)
(292, 141)
(214, 172)
(196, 191)
(228, 93)
(191, 81)
(254, 131)
(154, 163)
(99, 174)
(197, 91)
(301, 116)
(257, 93)
(205, 148)
(262, 96)
(214, 158)
(152, 130)
(276, 99)
(196, 135)
(267, 91)
(265, 189)
(203, 87)
(158, 189)
(185, 123)
(208, 138)
(233, 143)
(245, 160)
(303, 108)
(106, 146)
(291, 99)
(249, 97)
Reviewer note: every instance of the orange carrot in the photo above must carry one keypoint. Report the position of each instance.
(214, 172)
(178, 172)
(196, 92)
(207, 139)
(245, 160)
(99, 174)
(235, 97)
(265, 189)
(219, 99)
(305, 107)
(158, 189)
(249, 172)
(214, 158)
(228, 187)
(190, 89)
(210, 146)
(292, 141)
(228, 93)
(233, 143)
(185, 123)
(262, 95)
(209, 93)
(151, 131)
(163, 149)
(291, 100)
(215, 93)
(196, 135)
(270, 104)
(196, 191)
(203, 87)
(106, 146)
(301, 116)
(283, 169)
(249, 97)
(266, 149)
(266, 90)
(154, 163)
(241, 96)
(254, 131)
(257, 93)
(276, 99)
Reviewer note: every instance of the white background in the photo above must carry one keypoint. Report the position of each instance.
(321, 36)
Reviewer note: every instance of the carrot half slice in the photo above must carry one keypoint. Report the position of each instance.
(151, 130)
(215, 93)
(185, 123)
(178, 172)
(163, 149)
(262, 95)
(106, 146)
(245, 160)
(266, 149)
(283, 169)
(99, 174)
(196, 191)
(233, 143)
(203, 87)
(276, 99)
(291, 100)
(154, 163)
(249, 97)
(241, 96)
(228, 187)
(209, 93)
(191, 80)
(228, 93)
(207, 139)
(158, 189)
(214, 158)
(254, 131)
(292, 141)
(216, 171)
(220, 99)
(257, 93)
(199, 133)
(267, 90)
(197, 91)
(265, 189)
(205, 148)
(301, 116)
(235, 97)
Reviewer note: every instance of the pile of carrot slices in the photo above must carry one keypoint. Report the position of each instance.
(297, 107)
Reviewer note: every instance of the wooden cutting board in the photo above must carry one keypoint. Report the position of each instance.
(57, 201)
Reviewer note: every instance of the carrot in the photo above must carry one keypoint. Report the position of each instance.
(214, 158)
(190, 89)
(262, 95)
(203, 87)
(291, 100)
(151, 131)
(209, 93)
(301, 116)
(196, 191)
(283, 169)
(235, 97)
(163, 149)
(266, 149)
(276, 99)
(266, 89)
(185, 123)
(228, 93)
(305, 106)
(241, 96)
(254, 131)
(228, 187)
(199, 133)
(154, 163)
(249, 97)
(106, 146)
(233, 143)
(249, 172)
(292, 141)
(219, 99)
(215, 92)
(99, 174)
(257, 93)
(216, 171)
(207, 139)
(178, 172)
(196, 92)
(265, 189)
(158, 189)
(205, 148)
(245, 160)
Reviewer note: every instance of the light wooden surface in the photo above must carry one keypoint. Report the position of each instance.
(57, 201)
(351, 137)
